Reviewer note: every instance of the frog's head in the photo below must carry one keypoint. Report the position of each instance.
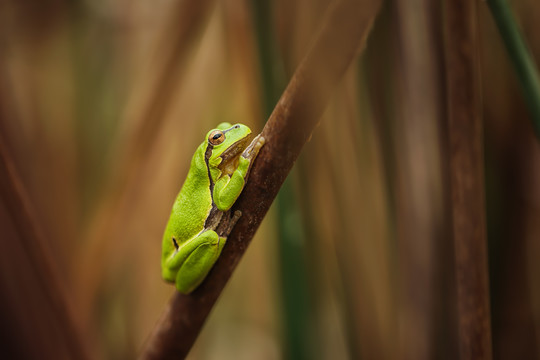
(225, 144)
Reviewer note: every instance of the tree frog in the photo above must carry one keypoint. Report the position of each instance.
(216, 177)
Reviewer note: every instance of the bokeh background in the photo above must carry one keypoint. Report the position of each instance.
(103, 102)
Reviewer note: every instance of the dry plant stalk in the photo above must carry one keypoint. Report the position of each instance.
(342, 36)
(421, 211)
(467, 179)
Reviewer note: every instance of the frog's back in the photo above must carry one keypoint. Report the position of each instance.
(193, 203)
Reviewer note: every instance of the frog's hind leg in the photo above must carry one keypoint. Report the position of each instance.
(197, 265)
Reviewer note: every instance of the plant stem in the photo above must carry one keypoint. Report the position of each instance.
(467, 178)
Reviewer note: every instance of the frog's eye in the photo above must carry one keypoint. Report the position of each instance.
(216, 137)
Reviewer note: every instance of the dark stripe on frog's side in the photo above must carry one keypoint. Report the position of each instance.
(214, 216)
(207, 155)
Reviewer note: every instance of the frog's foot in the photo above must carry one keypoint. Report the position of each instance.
(228, 223)
(253, 148)
(234, 219)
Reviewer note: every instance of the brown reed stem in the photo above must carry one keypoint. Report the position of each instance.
(467, 179)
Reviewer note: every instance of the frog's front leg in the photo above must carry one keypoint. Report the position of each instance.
(228, 188)
(195, 259)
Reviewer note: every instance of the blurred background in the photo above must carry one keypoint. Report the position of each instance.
(103, 103)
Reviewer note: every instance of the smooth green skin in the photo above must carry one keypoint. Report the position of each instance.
(200, 247)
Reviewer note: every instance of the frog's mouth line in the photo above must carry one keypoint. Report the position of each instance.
(230, 157)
